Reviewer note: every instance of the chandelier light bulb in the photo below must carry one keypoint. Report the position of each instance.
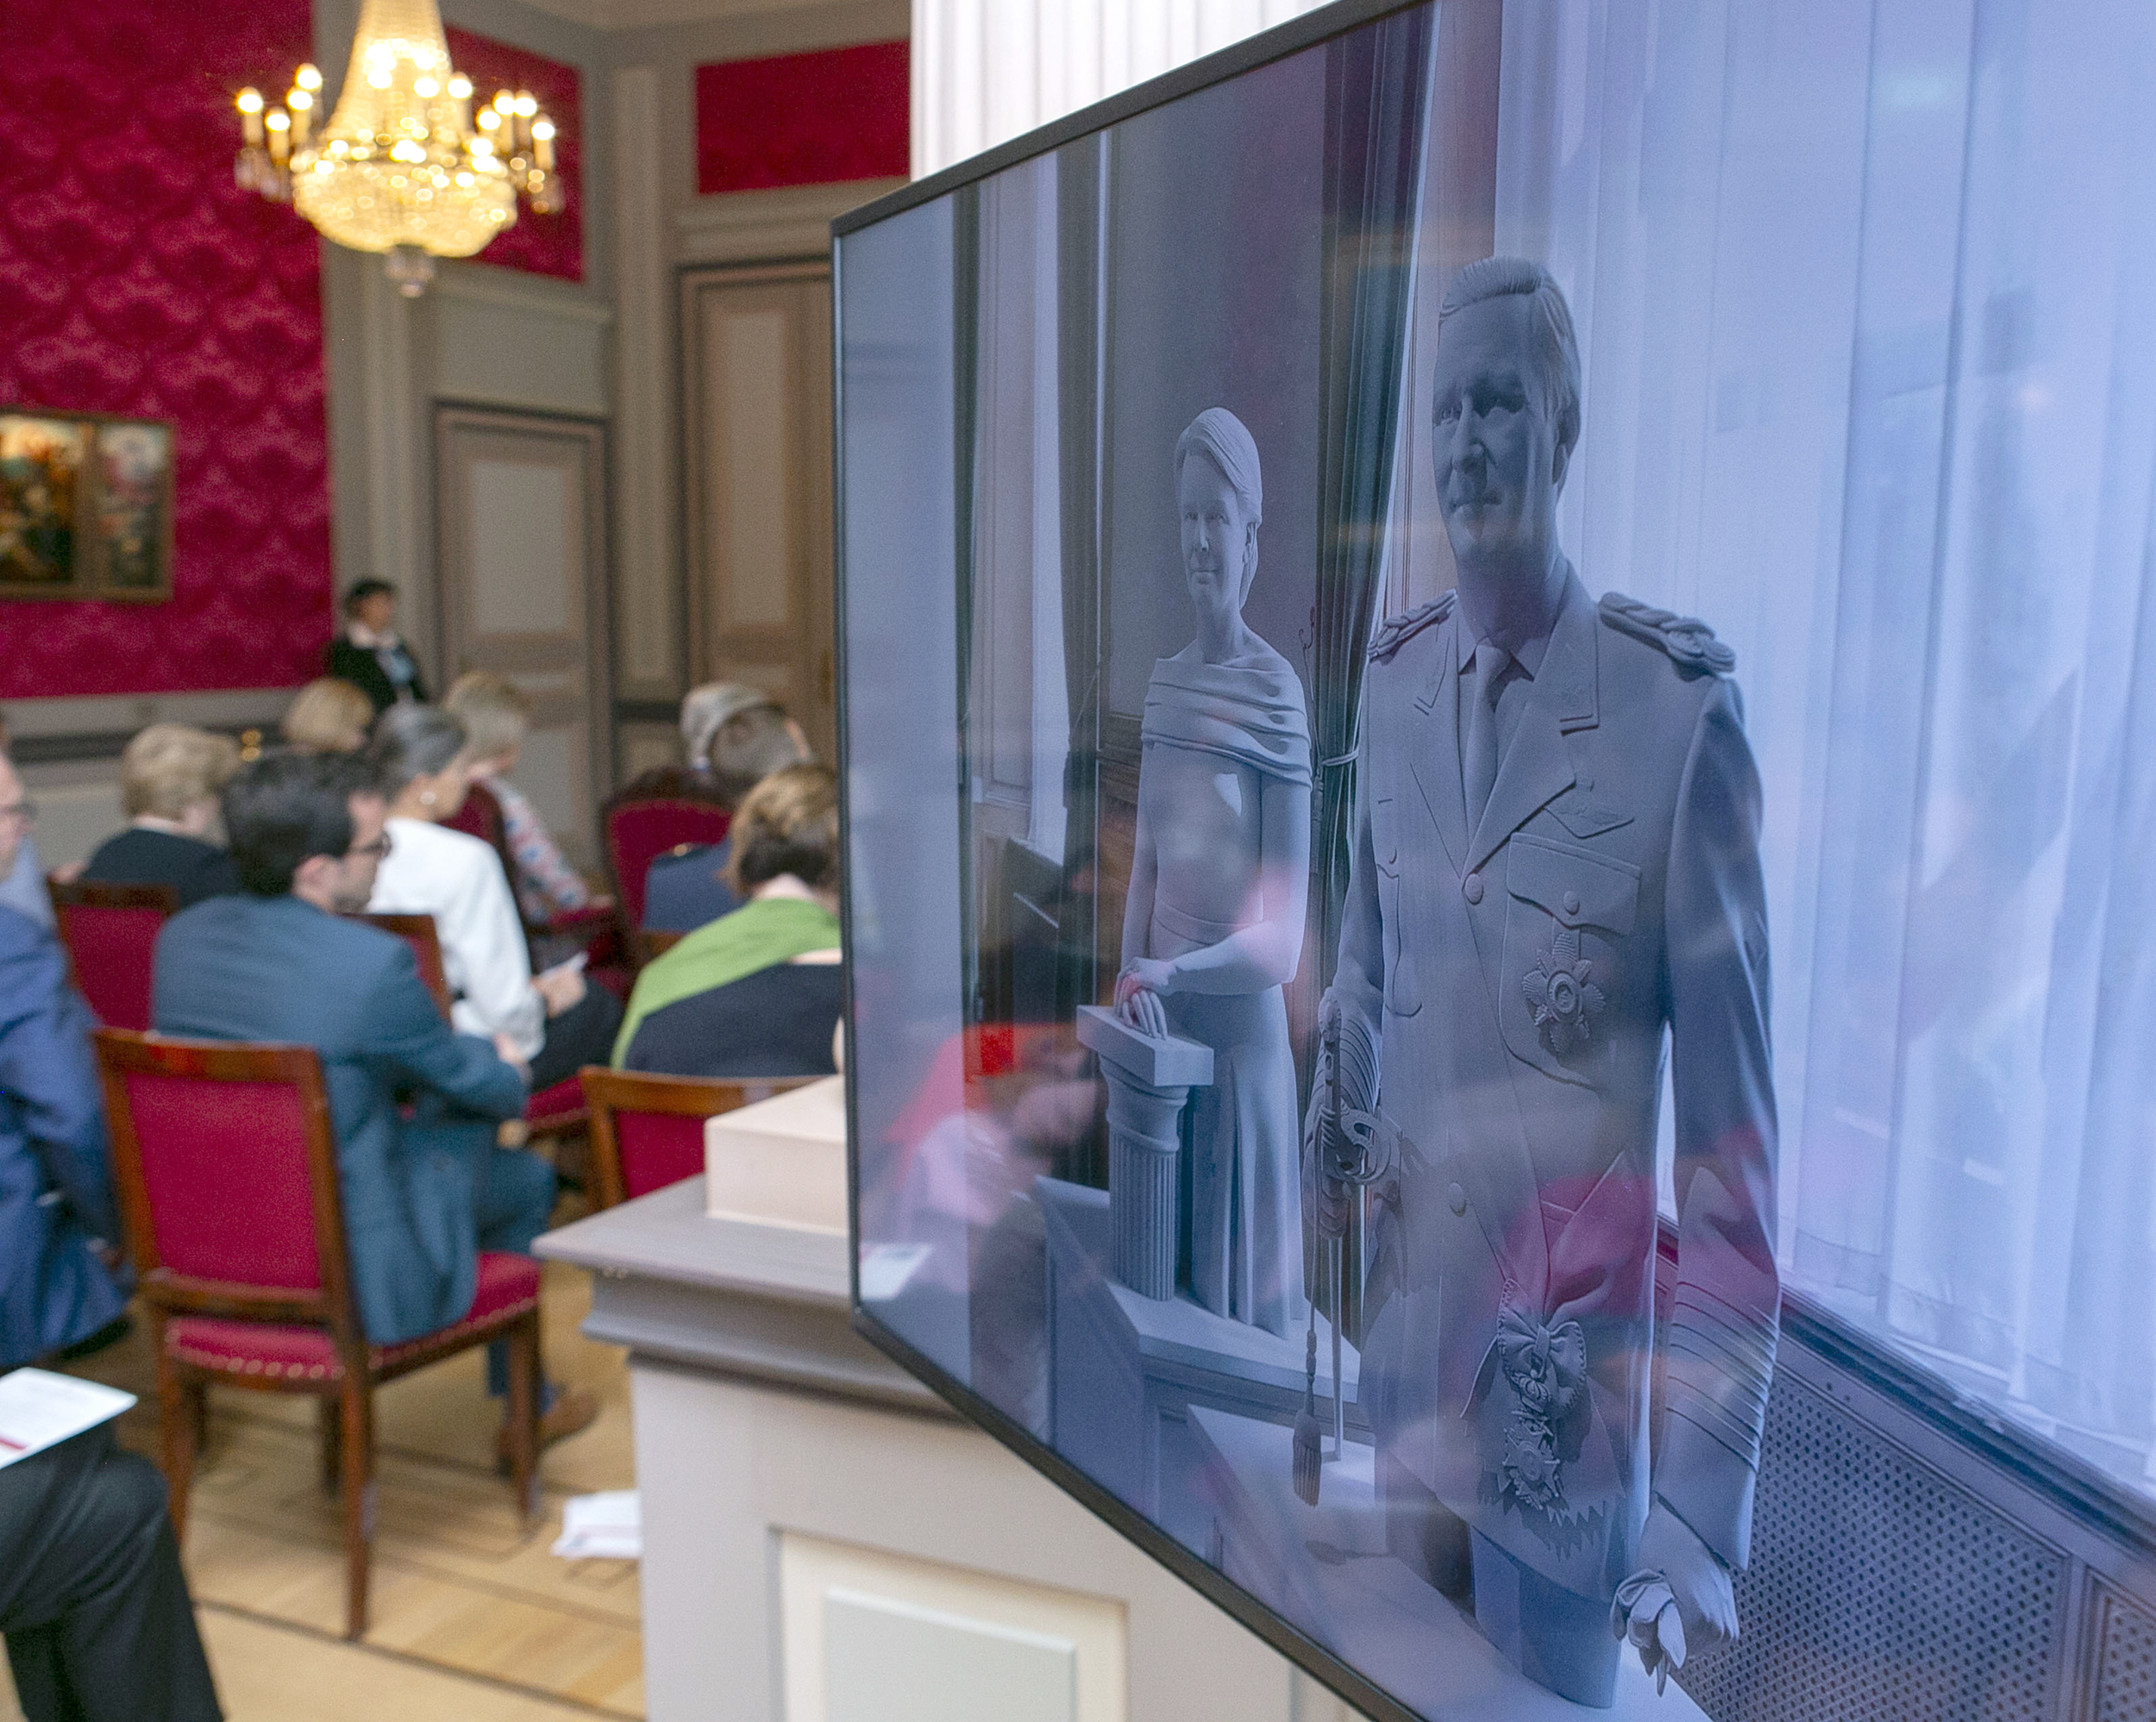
(308, 79)
(277, 119)
(299, 101)
(504, 103)
(460, 86)
(426, 89)
(543, 128)
(250, 101)
(526, 104)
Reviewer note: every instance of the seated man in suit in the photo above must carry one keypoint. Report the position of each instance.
(421, 1195)
(57, 1284)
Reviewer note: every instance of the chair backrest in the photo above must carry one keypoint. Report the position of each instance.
(110, 932)
(648, 1131)
(639, 831)
(418, 931)
(480, 817)
(226, 1160)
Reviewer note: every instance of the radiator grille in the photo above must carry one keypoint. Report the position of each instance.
(1880, 1592)
(2126, 1663)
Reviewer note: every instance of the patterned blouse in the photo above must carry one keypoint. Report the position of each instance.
(545, 884)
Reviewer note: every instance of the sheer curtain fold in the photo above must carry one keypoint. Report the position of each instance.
(1864, 292)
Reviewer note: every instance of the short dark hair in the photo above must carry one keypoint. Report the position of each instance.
(414, 741)
(287, 807)
(360, 590)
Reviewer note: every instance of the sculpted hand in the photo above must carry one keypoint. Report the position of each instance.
(1678, 1601)
(1138, 995)
(1324, 1200)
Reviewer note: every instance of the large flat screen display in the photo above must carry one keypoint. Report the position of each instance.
(1499, 725)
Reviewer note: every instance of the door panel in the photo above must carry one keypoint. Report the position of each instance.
(522, 531)
(758, 381)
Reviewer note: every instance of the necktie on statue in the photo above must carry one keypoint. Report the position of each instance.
(1478, 753)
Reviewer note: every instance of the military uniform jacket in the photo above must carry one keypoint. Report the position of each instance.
(1517, 980)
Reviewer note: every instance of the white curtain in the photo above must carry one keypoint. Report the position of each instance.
(1867, 297)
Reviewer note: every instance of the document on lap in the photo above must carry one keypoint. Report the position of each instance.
(38, 1409)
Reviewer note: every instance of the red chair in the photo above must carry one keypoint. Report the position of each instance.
(648, 1131)
(418, 931)
(227, 1167)
(638, 832)
(110, 932)
(594, 924)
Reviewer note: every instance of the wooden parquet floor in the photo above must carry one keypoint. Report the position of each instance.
(472, 1618)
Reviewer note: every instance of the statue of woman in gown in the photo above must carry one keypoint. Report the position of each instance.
(1212, 928)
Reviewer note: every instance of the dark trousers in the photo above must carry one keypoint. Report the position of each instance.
(511, 1208)
(92, 1602)
(583, 1034)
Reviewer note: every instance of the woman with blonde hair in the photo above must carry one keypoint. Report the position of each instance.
(171, 775)
(496, 713)
(327, 716)
(755, 993)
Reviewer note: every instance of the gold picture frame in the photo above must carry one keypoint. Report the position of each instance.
(85, 505)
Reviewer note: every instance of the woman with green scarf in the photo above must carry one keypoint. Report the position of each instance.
(755, 993)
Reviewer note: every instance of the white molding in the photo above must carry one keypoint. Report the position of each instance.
(109, 714)
(783, 223)
(479, 286)
(638, 15)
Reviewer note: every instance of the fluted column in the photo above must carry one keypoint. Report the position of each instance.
(1149, 1081)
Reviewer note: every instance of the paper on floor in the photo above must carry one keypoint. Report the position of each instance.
(608, 1526)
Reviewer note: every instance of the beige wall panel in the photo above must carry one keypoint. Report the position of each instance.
(526, 526)
(751, 411)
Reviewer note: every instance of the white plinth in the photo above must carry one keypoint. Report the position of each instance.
(781, 1162)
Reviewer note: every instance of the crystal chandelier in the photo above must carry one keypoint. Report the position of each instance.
(404, 167)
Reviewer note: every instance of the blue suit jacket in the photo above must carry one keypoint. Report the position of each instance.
(55, 1188)
(274, 969)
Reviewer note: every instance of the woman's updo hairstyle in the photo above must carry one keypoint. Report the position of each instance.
(787, 823)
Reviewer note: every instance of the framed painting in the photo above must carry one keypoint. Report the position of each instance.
(85, 506)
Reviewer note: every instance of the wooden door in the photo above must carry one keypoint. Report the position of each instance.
(757, 412)
(521, 540)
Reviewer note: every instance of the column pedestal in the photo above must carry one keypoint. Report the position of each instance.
(1149, 1081)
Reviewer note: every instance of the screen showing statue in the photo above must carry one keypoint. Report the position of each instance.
(1497, 726)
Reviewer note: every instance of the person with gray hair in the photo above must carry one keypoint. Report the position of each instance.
(1555, 863)
(733, 736)
(553, 1022)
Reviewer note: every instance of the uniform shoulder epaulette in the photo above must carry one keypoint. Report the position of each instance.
(1690, 642)
(1397, 630)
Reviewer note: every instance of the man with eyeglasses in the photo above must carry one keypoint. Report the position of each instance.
(423, 1193)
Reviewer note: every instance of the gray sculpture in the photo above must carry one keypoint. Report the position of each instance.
(1555, 859)
(1212, 928)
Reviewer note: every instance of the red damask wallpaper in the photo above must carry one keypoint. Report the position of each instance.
(539, 245)
(802, 119)
(137, 279)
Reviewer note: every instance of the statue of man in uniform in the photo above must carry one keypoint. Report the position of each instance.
(1556, 861)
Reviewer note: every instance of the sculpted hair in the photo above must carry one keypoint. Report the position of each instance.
(1225, 439)
(287, 807)
(787, 823)
(414, 741)
(169, 767)
(1556, 350)
(494, 710)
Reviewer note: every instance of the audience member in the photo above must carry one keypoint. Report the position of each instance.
(22, 885)
(423, 1194)
(495, 714)
(92, 1602)
(170, 777)
(735, 736)
(327, 716)
(557, 1022)
(58, 1283)
(756, 992)
(368, 652)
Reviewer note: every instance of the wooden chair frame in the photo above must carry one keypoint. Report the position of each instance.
(348, 1448)
(606, 1092)
(418, 932)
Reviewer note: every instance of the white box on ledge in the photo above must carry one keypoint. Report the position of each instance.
(781, 1162)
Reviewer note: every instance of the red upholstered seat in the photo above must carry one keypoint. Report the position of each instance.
(558, 1108)
(508, 1287)
(226, 1158)
(648, 1131)
(110, 932)
(637, 832)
